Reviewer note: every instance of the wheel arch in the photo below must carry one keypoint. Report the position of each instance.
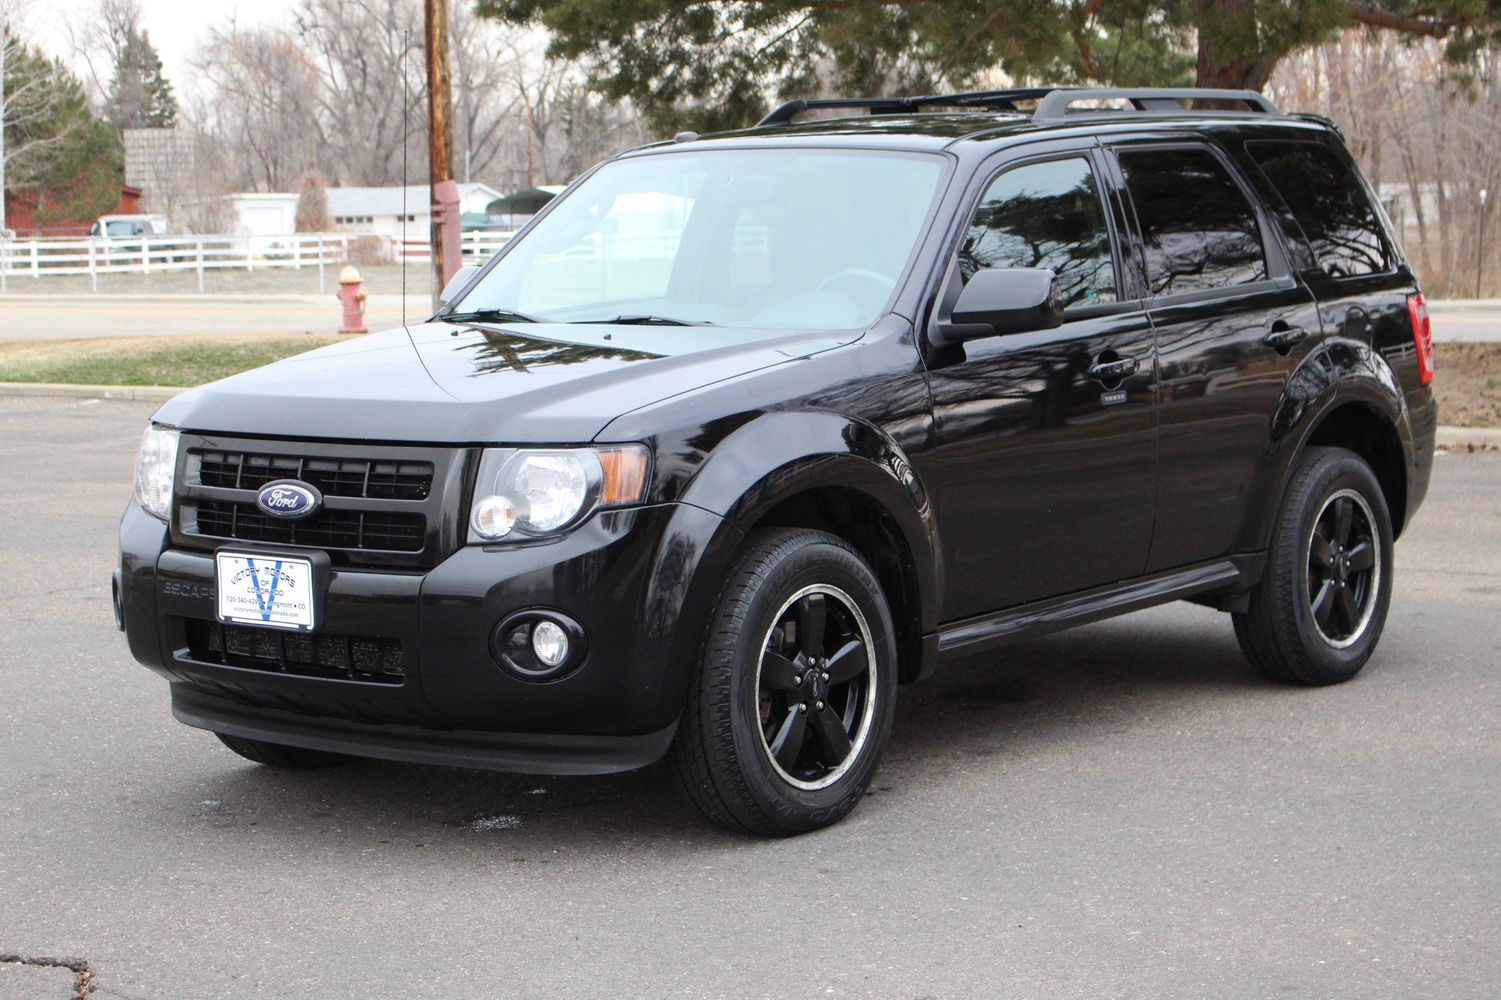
(1357, 426)
(837, 474)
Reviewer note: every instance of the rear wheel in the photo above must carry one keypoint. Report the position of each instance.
(793, 701)
(280, 755)
(1318, 611)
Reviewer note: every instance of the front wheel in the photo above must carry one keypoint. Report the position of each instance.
(793, 701)
(1317, 613)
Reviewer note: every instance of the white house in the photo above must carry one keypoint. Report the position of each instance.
(264, 214)
(381, 210)
(378, 210)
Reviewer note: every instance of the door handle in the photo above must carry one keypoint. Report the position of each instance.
(1108, 371)
(1284, 336)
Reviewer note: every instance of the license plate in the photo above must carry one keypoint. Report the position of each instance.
(267, 590)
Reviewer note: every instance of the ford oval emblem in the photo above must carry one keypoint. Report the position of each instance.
(288, 499)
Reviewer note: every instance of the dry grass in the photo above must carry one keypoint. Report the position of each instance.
(1467, 382)
(167, 361)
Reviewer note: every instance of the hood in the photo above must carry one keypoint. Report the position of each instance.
(442, 383)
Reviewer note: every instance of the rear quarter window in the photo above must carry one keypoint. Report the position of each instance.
(1329, 204)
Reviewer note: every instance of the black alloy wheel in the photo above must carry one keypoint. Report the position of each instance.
(816, 690)
(1344, 568)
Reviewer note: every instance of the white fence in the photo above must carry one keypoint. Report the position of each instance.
(478, 246)
(50, 257)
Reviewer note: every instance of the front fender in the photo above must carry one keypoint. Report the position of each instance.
(778, 455)
(784, 453)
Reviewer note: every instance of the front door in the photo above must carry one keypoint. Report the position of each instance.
(1046, 440)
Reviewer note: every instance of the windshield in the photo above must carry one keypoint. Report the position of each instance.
(769, 238)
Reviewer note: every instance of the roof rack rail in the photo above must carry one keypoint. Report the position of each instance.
(1056, 104)
(990, 100)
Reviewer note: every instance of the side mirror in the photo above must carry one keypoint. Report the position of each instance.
(1005, 300)
(457, 284)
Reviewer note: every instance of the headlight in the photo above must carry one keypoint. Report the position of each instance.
(154, 470)
(538, 492)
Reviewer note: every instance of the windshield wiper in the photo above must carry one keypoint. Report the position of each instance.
(645, 319)
(492, 316)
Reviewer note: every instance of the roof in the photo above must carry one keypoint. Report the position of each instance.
(389, 200)
(526, 201)
(940, 121)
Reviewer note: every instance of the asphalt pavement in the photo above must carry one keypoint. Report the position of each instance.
(1125, 810)
(59, 316)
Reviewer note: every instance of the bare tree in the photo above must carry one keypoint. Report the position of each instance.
(340, 93)
(368, 90)
(261, 106)
(99, 37)
(1424, 134)
(482, 59)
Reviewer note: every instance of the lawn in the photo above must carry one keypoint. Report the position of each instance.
(169, 361)
(1468, 383)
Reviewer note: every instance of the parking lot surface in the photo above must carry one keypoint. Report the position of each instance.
(1126, 810)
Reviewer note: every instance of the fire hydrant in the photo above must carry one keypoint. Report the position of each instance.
(352, 293)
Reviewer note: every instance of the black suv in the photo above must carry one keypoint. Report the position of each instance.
(745, 430)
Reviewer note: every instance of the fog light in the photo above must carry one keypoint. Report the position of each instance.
(494, 516)
(539, 644)
(549, 643)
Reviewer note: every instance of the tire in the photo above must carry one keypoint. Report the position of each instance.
(1317, 613)
(757, 750)
(280, 755)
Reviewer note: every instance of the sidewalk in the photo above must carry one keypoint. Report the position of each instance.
(64, 317)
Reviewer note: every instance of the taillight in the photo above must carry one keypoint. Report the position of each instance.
(1422, 336)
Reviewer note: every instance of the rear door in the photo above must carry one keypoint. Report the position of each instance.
(1046, 461)
(1232, 322)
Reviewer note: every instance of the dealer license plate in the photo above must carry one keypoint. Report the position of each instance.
(267, 590)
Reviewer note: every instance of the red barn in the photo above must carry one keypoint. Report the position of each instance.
(21, 207)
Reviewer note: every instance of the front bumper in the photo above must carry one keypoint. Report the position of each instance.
(635, 579)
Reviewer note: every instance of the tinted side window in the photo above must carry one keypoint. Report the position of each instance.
(1045, 215)
(1198, 230)
(1329, 203)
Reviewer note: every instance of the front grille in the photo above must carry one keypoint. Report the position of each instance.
(327, 529)
(384, 506)
(306, 654)
(334, 477)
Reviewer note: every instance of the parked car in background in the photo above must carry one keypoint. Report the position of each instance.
(744, 430)
(129, 226)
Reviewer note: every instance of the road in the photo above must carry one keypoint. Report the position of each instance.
(69, 317)
(1121, 811)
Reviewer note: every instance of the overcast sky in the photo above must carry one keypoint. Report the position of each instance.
(175, 26)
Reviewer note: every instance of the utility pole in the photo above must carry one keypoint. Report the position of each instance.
(1480, 248)
(446, 251)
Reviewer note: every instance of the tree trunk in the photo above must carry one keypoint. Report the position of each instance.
(1230, 53)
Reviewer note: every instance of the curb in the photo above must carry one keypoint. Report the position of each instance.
(137, 393)
(1469, 438)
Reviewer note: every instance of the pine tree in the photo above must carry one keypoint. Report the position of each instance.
(54, 144)
(711, 64)
(140, 95)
